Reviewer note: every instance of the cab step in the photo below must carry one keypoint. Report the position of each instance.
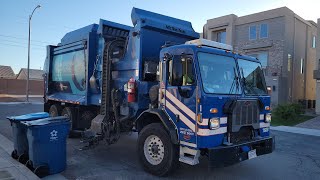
(189, 156)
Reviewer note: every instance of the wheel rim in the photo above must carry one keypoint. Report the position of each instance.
(153, 150)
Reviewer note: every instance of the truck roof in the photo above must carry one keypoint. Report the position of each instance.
(188, 48)
(79, 34)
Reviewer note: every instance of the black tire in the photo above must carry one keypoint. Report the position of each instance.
(14, 154)
(29, 165)
(23, 158)
(42, 171)
(55, 110)
(69, 112)
(170, 160)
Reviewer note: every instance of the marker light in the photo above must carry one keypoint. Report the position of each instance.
(214, 110)
(199, 117)
(267, 108)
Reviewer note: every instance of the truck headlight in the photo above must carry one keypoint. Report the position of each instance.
(214, 123)
(268, 118)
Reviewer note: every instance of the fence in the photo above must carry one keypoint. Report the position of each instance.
(18, 87)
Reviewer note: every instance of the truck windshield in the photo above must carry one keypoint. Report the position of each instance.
(217, 73)
(254, 82)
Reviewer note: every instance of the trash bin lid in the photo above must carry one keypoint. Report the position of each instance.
(29, 117)
(45, 121)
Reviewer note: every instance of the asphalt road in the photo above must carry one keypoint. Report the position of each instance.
(296, 157)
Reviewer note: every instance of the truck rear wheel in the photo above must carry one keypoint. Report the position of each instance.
(69, 112)
(157, 154)
(54, 110)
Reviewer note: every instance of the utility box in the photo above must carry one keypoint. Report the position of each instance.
(19, 132)
(47, 145)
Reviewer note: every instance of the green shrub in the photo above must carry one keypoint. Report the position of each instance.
(298, 108)
(288, 111)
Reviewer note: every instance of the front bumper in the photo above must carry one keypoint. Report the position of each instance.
(227, 155)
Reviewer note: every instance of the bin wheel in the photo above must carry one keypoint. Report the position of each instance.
(41, 171)
(29, 165)
(14, 154)
(23, 158)
(54, 110)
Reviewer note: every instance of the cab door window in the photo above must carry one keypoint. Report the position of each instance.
(181, 71)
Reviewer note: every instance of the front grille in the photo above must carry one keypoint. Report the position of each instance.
(243, 135)
(245, 113)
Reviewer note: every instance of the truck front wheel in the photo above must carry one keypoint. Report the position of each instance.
(157, 154)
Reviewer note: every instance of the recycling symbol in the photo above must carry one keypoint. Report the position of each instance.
(54, 135)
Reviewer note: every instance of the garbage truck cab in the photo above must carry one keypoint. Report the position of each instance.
(217, 102)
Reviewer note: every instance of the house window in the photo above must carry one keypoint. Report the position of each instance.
(252, 32)
(221, 36)
(314, 42)
(262, 57)
(264, 31)
(301, 65)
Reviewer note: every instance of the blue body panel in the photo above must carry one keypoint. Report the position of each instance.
(89, 42)
(78, 35)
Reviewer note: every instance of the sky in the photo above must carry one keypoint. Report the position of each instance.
(57, 17)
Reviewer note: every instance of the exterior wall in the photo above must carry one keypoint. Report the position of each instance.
(288, 54)
(289, 40)
(311, 64)
(221, 23)
(300, 39)
(18, 87)
(318, 65)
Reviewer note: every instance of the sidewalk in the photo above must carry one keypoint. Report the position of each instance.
(10, 168)
(313, 123)
(297, 130)
(20, 98)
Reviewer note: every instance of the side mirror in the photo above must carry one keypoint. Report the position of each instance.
(167, 56)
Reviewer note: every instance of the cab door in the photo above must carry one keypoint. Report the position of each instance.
(180, 96)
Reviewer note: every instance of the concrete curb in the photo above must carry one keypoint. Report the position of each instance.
(16, 103)
(7, 146)
(19, 96)
(297, 130)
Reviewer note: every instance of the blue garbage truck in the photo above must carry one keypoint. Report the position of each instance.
(186, 97)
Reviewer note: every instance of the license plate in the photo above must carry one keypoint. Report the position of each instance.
(252, 154)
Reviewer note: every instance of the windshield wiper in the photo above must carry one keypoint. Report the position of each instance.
(247, 86)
